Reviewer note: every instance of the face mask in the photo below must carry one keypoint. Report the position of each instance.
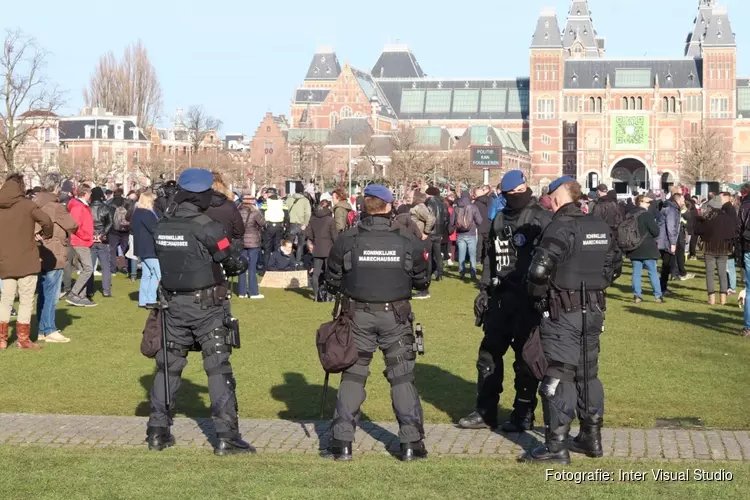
(517, 201)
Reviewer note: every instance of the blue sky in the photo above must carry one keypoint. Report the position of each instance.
(241, 58)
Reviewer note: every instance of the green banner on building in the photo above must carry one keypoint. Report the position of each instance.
(629, 132)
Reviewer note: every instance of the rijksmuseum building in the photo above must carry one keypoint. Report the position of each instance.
(621, 121)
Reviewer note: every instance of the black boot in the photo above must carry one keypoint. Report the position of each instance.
(413, 451)
(229, 446)
(159, 438)
(522, 424)
(341, 451)
(589, 438)
(555, 450)
(477, 421)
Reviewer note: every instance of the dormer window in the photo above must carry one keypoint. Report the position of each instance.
(105, 131)
(87, 131)
(47, 134)
(119, 131)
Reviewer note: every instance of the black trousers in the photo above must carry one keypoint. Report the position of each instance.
(272, 240)
(318, 278)
(188, 323)
(483, 244)
(510, 319)
(668, 263)
(563, 387)
(678, 263)
(116, 239)
(436, 255)
(693, 245)
(373, 330)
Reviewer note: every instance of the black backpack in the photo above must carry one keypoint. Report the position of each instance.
(629, 234)
(335, 342)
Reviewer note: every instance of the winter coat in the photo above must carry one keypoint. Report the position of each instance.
(227, 214)
(54, 251)
(142, 226)
(281, 262)
(669, 226)
(422, 216)
(464, 203)
(742, 244)
(81, 213)
(322, 232)
(408, 225)
(442, 219)
(717, 230)
(690, 218)
(608, 210)
(341, 214)
(103, 216)
(254, 224)
(299, 209)
(119, 201)
(482, 204)
(19, 254)
(649, 231)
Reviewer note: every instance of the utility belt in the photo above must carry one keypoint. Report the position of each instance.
(274, 224)
(206, 297)
(401, 308)
(568, 301)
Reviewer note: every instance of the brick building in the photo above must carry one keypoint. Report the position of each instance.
(623, 121)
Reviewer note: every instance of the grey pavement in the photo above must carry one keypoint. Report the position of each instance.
(274, 436)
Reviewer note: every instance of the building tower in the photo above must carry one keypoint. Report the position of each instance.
(579, 38)
(545, 98)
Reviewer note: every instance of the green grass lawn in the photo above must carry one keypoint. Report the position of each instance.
(44, 473)
(679, 359)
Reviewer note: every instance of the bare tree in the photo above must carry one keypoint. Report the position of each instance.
(705, 158)
(159, 167)
(24, 87)
(308, 158)
(457, 168)
(200, 125)
(408, 160)
(128, 87)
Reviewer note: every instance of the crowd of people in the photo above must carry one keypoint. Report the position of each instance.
(80, 226)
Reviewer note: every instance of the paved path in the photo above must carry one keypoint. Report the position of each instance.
(270, 436)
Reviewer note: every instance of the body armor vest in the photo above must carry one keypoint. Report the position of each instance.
(587, 262)
(186, 264)
(514, 239)
(379, 267)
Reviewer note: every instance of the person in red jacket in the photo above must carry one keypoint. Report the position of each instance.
(82, 241)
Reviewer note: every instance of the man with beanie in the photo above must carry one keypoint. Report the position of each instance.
(19, 258)
(439, 230)
(505, 309)
(425, 220)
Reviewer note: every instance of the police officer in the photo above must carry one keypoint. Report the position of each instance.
(375, 266)
(576, 249)
(192, 249)
(507, 312)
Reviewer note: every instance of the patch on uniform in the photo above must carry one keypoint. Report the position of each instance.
(519, 240)
(171, 240)
(595, 242)
(223, 244)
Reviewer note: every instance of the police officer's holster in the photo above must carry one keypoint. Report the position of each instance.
(196, 321)
(387, 326)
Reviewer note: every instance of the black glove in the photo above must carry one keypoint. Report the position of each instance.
(481, 304)
(541, 305)
(234, 265)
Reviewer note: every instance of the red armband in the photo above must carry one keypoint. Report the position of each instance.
(223, 244)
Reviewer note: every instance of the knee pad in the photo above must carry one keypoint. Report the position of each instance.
(217, 364)
(176, 359)
(485, 364)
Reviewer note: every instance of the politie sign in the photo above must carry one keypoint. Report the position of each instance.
(486, 157)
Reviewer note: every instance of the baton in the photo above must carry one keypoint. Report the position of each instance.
(163, 306)
(584, 311)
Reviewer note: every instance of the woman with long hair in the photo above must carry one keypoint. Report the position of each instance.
(223, 211)
(253, 223)
(142, 226)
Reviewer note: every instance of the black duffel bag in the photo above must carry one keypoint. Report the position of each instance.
(335, 342)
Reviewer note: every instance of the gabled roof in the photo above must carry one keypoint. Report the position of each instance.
(311, 95)
(682, 73)
(580, 28)
(711, 28)
(76, 129)
(324, 65)
(373, 91)
(397, 61)
(380, 145)
(358, 130)
(547, 34)
(484, 135)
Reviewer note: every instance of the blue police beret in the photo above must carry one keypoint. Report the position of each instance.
(559, 182)
(511, 180)
(196, 180)
(378, 191)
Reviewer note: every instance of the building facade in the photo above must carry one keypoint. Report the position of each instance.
(624, 121)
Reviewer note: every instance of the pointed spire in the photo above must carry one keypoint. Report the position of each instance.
(580, 28)
(547, 34)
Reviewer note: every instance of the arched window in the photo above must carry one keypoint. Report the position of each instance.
(632, 103)
(672, 105)
(598, 104)
(640, 103)
(624, 103)
(346, 112)
(334, 119)
(592, 105)
(666, 104)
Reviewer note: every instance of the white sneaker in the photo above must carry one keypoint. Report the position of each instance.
(242, 296)
(257, 297)
(97, 273)
(55, 338)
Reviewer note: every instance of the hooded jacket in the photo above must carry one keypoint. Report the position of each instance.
(464, 203)
(669, 226)
(227, 214)
(717, 230)
(482, 204)
(81, 213)
(341, 214)
(19, 254)
(54, 251)
(607, 209)
(322, 232)
(299, 209)
(649, 230)
(421, 215)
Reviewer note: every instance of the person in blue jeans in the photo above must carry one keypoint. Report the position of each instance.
(466, 219)
(254, 223)
(647, 253)
(142, 225)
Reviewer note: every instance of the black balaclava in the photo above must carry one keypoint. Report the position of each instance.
(200, 200)
(517, 201)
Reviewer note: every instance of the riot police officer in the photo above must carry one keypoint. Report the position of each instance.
(375, 266)
(576, 251)
(192, 249)
(506, 310)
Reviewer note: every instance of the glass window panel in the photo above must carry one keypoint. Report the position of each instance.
(465, 101)
(428, 136)
(478, 136)
(438, 101)
(743, 98)
(633, 78)
(493, 100)
(412, 101)
(518, 100)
